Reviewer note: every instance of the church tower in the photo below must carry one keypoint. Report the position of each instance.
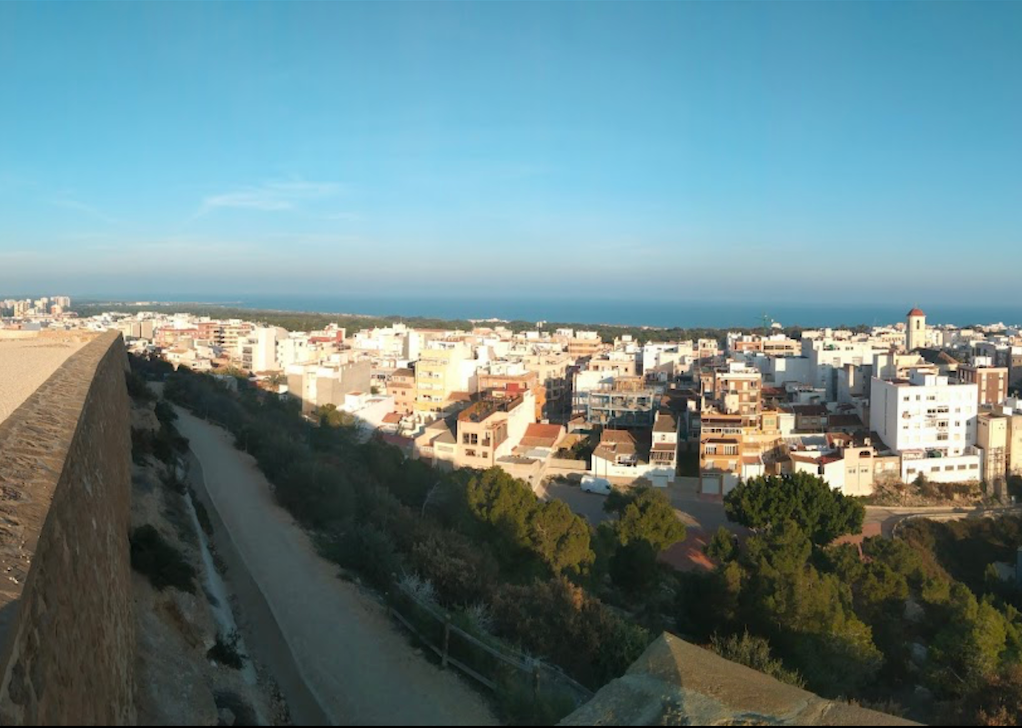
(915, 335)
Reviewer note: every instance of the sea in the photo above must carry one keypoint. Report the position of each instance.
(626, 312)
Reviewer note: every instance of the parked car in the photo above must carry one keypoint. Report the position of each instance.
(592, 484)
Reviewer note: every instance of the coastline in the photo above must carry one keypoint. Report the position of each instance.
(649, 315)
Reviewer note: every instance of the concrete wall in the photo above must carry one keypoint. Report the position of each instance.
(563, 467)
(67, 640)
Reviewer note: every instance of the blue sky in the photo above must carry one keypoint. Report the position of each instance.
(784, 151)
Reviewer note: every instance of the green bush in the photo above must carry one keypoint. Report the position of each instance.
(752, 651)
(368, 551)
(821, 512)
(159, 561)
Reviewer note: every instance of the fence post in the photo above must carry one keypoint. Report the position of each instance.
(447, 641)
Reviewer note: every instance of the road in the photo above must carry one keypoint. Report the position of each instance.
(703, 515)
(355, 662)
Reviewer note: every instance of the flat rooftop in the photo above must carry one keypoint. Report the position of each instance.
(28, 360)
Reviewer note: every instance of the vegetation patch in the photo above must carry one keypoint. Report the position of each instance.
(159, 561)
(226, 651)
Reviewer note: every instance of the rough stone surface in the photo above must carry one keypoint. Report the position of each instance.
(28, 361)
(677, 683)
(67, 636)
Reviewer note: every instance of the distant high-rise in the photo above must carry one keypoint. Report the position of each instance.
(915, 336)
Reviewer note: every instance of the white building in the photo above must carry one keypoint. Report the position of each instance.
(828, 355)
(258, 351)
(931, 423)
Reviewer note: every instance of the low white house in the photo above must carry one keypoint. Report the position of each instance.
(621, 457)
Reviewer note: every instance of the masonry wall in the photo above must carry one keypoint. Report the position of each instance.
(67, 637)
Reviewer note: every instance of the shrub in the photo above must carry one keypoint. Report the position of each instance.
(518, 703)
(137, 388)
(462, 573)
(226, 652)
(141, 445)
(574, 630)
(754, 652)
(368, 551)
(159, 561)
(165, 412)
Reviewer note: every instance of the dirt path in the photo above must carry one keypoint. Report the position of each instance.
(356, 663)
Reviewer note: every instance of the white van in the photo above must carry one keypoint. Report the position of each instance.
(592, 484)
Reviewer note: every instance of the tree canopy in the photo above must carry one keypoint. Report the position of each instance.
(548, 529)
(821, 512)
(645, 513)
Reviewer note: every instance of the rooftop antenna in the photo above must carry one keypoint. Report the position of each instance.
(767, 321)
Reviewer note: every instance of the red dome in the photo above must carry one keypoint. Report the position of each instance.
(916, 312)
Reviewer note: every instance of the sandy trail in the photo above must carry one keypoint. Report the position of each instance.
(359, 667)
(27, 363)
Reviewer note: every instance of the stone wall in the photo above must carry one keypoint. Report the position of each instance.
(677, 683)
(67, 637)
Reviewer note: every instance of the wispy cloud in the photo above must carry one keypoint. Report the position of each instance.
(273, 196)
(85, 209)
(351, 216)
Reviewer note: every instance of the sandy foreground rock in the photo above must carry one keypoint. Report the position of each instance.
(25, 363)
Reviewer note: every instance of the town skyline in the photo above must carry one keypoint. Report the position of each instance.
(702, 151)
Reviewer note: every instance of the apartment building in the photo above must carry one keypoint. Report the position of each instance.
(317, 385)
(257, 352)
(894, 365)
(828, 355)
(443, 368)
(662, 362)
(584, 344)
(1014, 454)
(728, 451)
(737, 391)
(401, 386)
(554, 372)
(511, 377)
(492, 428)
(926, 412)
(623, 402)
(615, 363)
(991, 382)
(849, 468)
(664, 452)
(993, 438)
(707, 348)
(927, 419)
